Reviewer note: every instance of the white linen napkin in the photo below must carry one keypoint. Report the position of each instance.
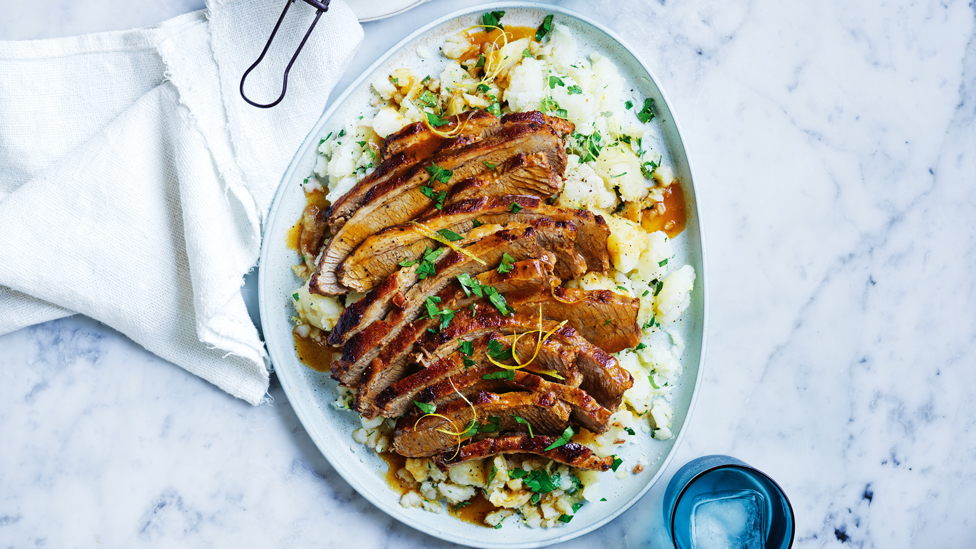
(134, 180)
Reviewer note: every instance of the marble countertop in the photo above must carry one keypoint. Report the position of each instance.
(835, 148)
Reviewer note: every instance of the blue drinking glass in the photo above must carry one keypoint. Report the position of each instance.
(720, 501)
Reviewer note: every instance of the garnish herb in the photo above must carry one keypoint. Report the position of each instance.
(574, 90)
(553, 80)
(450, 235)
(498, 351)
(526, 53)
(563, 518)
(438, 173)
(460, 505)
(476, 224)
(539, 481)
(491, 477)
(544, 29)
(437, 196)
(561, 441)
(425, 408)
(645, 293)
(492, 19)
(508, 375)
(361, 143)
(658, 287)
(433, 311)
(494, 424)
(525, 422)
(551, 106)
(506, 265)
(663, 262)
(621, 288)
(470, 285)
(607, 321)
(489, 165)
(618, 175)
(514, 208)
(426, 267)
(629, 105)
(428, 99)
(616, 463)
(603, 499)
(577, 506)
(651, 379)
(495, 109)
(629, 431)
(481, 62)
(640, 346)
(436, 120)
(650, 323)
(498, 300)
(646, 114)
(295, 296)
(342, 132)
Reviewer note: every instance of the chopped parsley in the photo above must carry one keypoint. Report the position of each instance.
(481, 62)
(489, 165)
(565, 518)
(483, 88)
(436, 120)
(607, 321)
(470, 285)
(342, 133)
(494, 471)
(498, 300)
(426, 261)
(544, 29)
(658, 287)
(495, 109)
(616, 463)
(450, 235)
(539, 481)
(460, 505)
(646, 114)
(561, 441)
(574, 90)
(437, 196)
(498, 351)
(506, 265)
(508, 375)
(428, 99)
(630, 431)
(647, 169)
(476, 224)
(438, 173)
(640, 346)
(514, 208)
(494, 425)
(295, 296)
(425, 408)
(645, 293)
(492, 19)
(577, 506)
(526, 53)
(629, 105)
(554, 80)
(663, 262)
(651, 379)
(551, 106)
(650, 323)
(523, 421)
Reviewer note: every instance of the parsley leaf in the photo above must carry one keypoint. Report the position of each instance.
(515, 208)
(494, 424)
(438, 173)
(426, 267)
(498, 300)
(491, 477)
(646, 114)
(561, 441)
(658, 287)
(523, 421)
(295, 296)
(616, 463)
(495, 109)
(630, 431)
(489, 165)
(492, 19)
(476, 224)
(651, 379)
(551, 106)
(460, 505)
(425, 408)
(428, 99)
(526, 53)
(577, 506)
(450, 235)
(506, 265)
(565, 518)
(436, 120)
(466, 348)
(437, 196)
(539, 481)
(470, 285)
(629, 105)
(553, 80)
(574, 90)
(481, 62)
(483, 88)
(640, 346)
(544, 28)
(663, 262)
(499, 351)
(505, 374)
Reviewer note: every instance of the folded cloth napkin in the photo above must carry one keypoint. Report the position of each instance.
(134, 180)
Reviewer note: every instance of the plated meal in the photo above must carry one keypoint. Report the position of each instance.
(485, 265)
(489, 258)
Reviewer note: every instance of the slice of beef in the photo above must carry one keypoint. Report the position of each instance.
(603, 377)
(395, 202)
(562, 126)
(381, 254)
(534, 241)
(418, 141)
(402, 151)
(573, 454)
(554, 358)
(390, 293)
(418, 436)
(606, 318)
(528, 174)
(394, 360)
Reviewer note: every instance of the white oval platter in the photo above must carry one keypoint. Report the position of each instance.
(311, 393)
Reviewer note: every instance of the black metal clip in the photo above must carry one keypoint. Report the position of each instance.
(321, 8)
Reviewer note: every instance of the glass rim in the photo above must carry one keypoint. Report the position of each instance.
(692, 480)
